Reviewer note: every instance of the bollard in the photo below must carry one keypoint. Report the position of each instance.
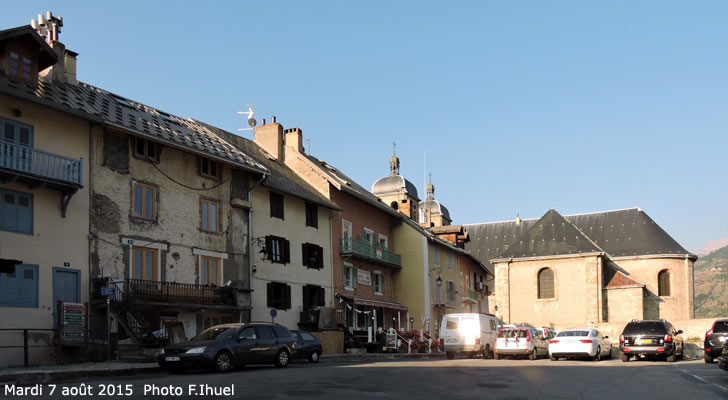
(409, 346)
(25, 347)
(429, 346)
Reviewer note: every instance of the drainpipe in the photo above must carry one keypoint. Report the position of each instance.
(250, 240)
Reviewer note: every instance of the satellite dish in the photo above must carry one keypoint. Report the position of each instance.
(252, 122)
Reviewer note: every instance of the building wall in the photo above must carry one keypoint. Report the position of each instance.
(409, 282)
(178, 223)
(576, 289)
(55, 240)
(295, 274)
(625, 304)
(446, 274)
(677, 306)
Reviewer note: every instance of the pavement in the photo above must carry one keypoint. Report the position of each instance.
(54, 373)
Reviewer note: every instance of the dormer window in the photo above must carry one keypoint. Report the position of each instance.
(20, 65)
(146, 149)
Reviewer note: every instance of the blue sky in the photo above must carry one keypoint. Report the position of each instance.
(520, 106)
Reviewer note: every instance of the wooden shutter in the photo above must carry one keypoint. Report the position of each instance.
(319, 257)
(306, 295)
(353, 277)
(381, 276)
(288, 297)
(304, 252)
(9, 293)
(286, 251)
(322, 297)
(269, 247)
(28, 285)
(270, 294)
(343, 275)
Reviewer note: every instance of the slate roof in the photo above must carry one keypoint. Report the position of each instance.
(280, 176)
(436, 208)
(98, 105)
(352, 188)
(394, 184)
(629, 232)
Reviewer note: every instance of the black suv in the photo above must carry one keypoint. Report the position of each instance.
(222, 347)
(714, 339)
(654, 338)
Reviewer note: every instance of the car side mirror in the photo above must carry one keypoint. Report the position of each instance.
(679, 331)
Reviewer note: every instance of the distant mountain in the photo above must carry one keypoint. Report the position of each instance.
(711, 284)
(712, 246)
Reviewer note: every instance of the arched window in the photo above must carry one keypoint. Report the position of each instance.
(546, 284)
(663, 283)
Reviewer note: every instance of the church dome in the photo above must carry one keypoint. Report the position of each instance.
(394, 184)
(435, 208)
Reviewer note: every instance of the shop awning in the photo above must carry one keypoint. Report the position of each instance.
(374, 303)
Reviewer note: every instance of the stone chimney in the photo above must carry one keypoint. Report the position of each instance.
(64, 71)
(294, 139)
(270, 138)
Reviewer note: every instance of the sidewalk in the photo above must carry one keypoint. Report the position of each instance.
(51, 373)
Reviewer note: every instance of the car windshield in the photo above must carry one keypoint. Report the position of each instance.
(452, 323)
(512, 333)
(646, 327)
(720, 326)
(573, 333)
(217, 333)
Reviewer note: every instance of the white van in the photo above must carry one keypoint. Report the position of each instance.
(469, 333)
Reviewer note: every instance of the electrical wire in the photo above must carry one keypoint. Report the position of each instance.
(186, 186)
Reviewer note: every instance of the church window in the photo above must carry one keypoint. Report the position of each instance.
(663, 283)
(546, 284)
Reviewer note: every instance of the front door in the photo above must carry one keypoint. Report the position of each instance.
(66, 287)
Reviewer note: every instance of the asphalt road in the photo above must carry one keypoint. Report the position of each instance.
(435, 378)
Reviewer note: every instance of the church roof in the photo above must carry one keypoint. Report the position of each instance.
(618, 280)
(436, 208)
(394, 184)
(629, 232)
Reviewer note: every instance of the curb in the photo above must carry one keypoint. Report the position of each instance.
(52, 376)
(379, 356)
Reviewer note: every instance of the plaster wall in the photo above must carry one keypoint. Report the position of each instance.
(409, 287)
(55, 240)
(295, 274)
(625, 304)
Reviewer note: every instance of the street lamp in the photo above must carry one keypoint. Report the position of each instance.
(438, 281)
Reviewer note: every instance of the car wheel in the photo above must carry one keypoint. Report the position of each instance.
(708, 359)
(609, 355)
(552, 358)
(496, 356)
(598, 356)
(532, 356)
(450, 355)
(282, 358)
(223, 362)
(624, 357)
(314, 357)
(672, 358)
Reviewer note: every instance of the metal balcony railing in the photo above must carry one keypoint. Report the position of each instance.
(145, 292)
(366, 250)
(41, 163)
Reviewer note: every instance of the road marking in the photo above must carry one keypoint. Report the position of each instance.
(725, 389)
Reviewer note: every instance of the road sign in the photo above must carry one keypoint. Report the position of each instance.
(107, 291)
(273, 312)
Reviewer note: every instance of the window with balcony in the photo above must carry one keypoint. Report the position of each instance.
(279, 295)
(210, 213)
(378, 282)
(146, 149)
(368, 235)
(313, 255)
(383, 241)
(16, 212)
(211, 271)
(144, 200)
(144, 264)
(346, 231)
(16, 133)
(311, 215)
(210, 168)
(276, 205)
(278, 249)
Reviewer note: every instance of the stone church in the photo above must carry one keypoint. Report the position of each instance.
(576, 270)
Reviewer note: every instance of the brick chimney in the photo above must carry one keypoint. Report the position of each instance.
(270, 138)
(294, 139)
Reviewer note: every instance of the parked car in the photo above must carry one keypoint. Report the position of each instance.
(714, 339)
(651, 338)
(469, 333)
(723, 359)
(575, 343)
(223, 347)
(521, 342)
(547, 333)
(308, 346)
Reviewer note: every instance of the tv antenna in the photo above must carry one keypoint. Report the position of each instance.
(48, 26)
(251, 117)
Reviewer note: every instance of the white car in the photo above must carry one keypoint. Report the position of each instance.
(521, 341)
(469, 333)
(575, 343)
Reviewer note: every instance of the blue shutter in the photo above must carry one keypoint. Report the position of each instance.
(343, 278)
(28, 283)
(9, 288)
(353, 277)
(25, 214)
(381, 276)
(9, 216)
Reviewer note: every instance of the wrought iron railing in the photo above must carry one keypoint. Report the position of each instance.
(362, 248)
(138, 290)
(41, 163)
